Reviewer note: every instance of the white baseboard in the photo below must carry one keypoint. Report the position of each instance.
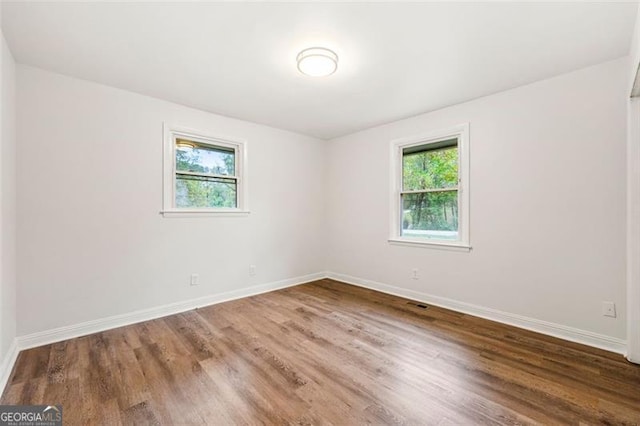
(7, 363)
(76, 330)
(544, 327)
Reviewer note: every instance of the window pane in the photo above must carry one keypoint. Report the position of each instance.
(192, 157)
(430, 169)
(432, 215)
(204, 192)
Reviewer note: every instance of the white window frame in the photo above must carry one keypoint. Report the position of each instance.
(173, 132)
(461, 132)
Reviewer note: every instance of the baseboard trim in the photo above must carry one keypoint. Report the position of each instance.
(77, 330)
(584, 337)
(7, 364)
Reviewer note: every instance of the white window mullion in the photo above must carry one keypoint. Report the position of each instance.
(206, 175)
(420, 191)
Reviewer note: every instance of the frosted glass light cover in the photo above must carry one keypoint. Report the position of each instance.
(317, 62)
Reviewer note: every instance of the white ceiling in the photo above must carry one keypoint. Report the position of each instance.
(238, 59)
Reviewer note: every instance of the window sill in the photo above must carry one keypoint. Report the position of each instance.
(439, 245)
(204, 213)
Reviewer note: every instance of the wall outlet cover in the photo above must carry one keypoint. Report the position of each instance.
(609, 309)
(195, 279)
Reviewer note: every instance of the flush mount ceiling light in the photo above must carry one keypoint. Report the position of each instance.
(317, 62)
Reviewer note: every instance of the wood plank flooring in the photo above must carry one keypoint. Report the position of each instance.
(326, 353)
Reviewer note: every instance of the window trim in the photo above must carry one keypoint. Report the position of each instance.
(461, 132)
(173, 132)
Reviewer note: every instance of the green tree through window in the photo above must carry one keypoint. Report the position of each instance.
(430, 191)
(205, 176)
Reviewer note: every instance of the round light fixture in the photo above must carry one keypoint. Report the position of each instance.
(317, 62)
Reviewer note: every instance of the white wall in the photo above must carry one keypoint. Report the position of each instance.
(92, 243)
(633, 203)
(547, 203)
(7, 203)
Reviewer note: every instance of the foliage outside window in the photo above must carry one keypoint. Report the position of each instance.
(430, 191)
(202, 174)
(430, 201)
(205, 176)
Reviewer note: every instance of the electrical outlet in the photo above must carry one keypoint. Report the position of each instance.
(609, 309)
(195, 279)
(252, 270)
(414, 274)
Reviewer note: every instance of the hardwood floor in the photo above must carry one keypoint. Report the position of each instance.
(326, 353)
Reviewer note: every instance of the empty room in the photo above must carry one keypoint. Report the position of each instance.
(319, 213)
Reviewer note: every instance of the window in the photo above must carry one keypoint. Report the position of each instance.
(430, 199)
(203, 174)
